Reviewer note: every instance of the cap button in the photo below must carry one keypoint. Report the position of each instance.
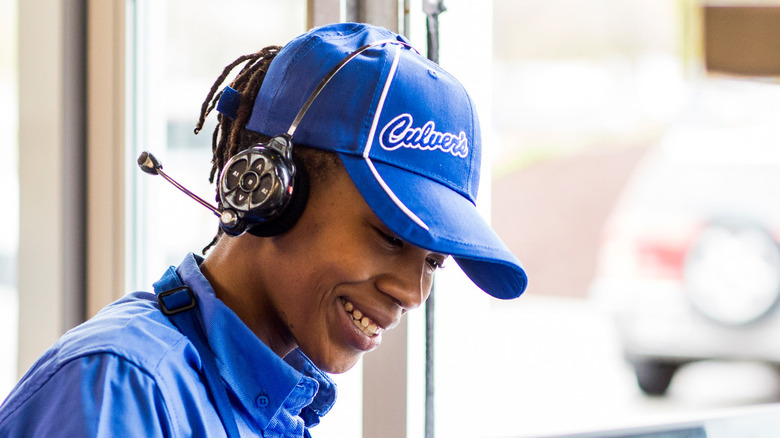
(433, 74)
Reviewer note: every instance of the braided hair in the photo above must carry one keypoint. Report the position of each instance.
(224, 142)
(230, 136)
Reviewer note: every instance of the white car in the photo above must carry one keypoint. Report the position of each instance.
(690, 264)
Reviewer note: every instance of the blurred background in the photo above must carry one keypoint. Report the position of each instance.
(631, 164)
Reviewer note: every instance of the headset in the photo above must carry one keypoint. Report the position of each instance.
(263, 190)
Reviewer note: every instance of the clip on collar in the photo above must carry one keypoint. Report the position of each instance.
(176, 300)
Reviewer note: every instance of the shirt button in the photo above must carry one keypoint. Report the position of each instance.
(262, 401)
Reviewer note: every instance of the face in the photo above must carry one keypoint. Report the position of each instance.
(337, 280)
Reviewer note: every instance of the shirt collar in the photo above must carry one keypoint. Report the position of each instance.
(262, 382)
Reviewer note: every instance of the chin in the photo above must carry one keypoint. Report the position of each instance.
(338, 366)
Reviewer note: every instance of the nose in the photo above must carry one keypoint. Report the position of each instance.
(407, 282)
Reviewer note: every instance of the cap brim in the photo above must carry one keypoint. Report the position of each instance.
(454, 225)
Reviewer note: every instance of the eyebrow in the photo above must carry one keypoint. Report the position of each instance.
(385, 229)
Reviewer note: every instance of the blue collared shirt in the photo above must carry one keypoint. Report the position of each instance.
(129, 372)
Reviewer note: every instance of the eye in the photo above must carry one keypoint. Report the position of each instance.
(436, 262)
(391, 239)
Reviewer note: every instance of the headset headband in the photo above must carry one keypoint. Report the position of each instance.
(332, 73)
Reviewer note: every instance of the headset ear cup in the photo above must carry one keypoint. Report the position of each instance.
(290, 215)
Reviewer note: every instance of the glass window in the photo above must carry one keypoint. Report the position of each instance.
(640, 192)
(180, 48)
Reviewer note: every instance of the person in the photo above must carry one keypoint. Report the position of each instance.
(241, 342)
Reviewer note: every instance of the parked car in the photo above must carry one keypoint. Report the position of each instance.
(689, 265)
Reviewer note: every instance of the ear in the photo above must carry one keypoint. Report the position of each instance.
(294, 209)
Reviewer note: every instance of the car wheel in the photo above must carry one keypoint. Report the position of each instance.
(730, 256)
(653, 376)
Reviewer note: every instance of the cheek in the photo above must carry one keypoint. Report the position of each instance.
(343, 261)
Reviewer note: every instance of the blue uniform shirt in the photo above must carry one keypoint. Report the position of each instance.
(129, 372)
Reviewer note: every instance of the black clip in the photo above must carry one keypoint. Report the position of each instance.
(176, 300)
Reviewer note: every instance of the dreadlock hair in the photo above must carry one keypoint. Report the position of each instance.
(230, 136)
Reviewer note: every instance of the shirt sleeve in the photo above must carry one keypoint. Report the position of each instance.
(100, 395)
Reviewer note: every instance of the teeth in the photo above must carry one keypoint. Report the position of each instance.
(364, 323)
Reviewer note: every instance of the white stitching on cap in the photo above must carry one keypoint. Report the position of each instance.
(400, 132)
(371, 133)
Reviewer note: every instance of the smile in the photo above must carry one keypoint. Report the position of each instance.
(362, 322)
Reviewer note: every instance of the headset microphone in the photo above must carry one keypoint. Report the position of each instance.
(228, 219)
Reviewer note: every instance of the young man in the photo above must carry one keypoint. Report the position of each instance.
(385, 152)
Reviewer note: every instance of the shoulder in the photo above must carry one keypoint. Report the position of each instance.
(128, 357)
(132, 328)
(93, 395)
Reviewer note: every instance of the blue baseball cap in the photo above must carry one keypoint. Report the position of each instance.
(407, 133)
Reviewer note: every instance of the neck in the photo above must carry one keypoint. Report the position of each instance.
(230, 268)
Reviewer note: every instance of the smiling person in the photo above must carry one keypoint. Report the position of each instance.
(374, 152)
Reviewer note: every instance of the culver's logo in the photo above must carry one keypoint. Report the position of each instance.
(400, 132)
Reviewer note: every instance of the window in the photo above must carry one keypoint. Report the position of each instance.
(180, 48)
(614, 148)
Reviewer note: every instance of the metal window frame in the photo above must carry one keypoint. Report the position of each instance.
(106, 152)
